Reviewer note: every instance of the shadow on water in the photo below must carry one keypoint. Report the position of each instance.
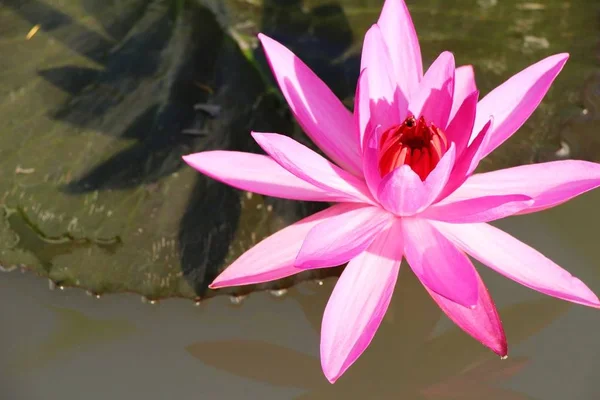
(318, 36)
(405, 359)
(78, 38)
(202, 93)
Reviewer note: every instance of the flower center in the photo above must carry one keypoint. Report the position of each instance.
(413, 143)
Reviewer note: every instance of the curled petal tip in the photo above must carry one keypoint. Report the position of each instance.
(447, 54)
(503, 352)
(500, 348)
(216, 284)
(331, 374)
(586, 294)
(560, 59)
(261, 36)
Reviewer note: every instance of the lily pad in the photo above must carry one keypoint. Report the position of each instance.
(99, 101)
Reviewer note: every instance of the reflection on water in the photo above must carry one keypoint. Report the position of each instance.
(405, 358)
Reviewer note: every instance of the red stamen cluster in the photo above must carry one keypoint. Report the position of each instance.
(413, 143)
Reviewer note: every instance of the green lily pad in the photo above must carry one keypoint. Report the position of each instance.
(99, 101)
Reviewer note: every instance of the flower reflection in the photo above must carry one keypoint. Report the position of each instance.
(405, 360)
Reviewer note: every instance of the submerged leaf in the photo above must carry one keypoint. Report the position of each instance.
(99, 100)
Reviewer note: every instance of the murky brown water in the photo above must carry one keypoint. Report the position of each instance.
(66, 345)
(95, 197)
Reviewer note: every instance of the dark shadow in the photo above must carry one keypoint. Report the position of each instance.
(70, 79)
(116, 16)
(164, 63)
(77, 37)
(132, 66)
(320, 37)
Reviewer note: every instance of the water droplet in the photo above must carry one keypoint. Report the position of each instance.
(504, 357)
(237, 300)
(278, 293)
(51, 284)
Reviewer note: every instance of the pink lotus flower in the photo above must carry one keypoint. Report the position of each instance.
(401, 169)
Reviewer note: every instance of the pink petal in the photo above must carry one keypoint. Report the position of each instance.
(481, 209)
(273, 258)
(401, 39)
(433, 99)
(370, 162)
(475, 151)
(311, 167)
(362, 108)
(359, 302)
(320, 113)
(515, 100)
(468, 161)
(403, 193)
(338, 240)
(257, 173)
(375, 56)
(481, 322)
(464, 85)
(461, 125)
(548, 184)
(387, 104)
(438, 264)
(517, 261)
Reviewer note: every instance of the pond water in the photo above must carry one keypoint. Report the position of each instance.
(117, 239)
